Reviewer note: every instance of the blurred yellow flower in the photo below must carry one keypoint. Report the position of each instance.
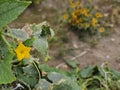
(102, 29)
(94, 22)
(74, 16)
(79, 4)
(99, 15)
(22, 52)
(77, 12)
(72, 5)
(65, 16)
(86, 12)
(87, 25)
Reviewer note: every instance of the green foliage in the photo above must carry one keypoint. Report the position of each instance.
(90, 78)
(73, 64)
(86, 73)
(6, 73)
(67, 84)
(41, 32)
(28, 73)
(43, 84)
(41, 45)
(11, 68)
(25, 72)
(46, 68)
(29, 42)
(55, 77)
(10, 10)
(19, 34)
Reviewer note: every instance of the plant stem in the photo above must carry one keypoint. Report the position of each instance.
(6, 42)
(39, 72)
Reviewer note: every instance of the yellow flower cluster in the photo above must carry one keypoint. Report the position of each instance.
(83, 17)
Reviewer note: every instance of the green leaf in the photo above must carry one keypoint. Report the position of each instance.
(27, 74)
(31, 71)
(41, 45)
(55, 77)
(66, 84)
(43, 85)
(73, 64)
(42, 30)
(29, 42)
(10, 10)
(87, 72)
(115, 74)
(6, 73)
(3, 46)
(19, 34)
(29, 80)
(46, 68)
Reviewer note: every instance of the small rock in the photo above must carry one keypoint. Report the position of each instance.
(108, 57)
(112, 39)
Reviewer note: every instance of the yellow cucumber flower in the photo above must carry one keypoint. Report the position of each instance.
(22, 51)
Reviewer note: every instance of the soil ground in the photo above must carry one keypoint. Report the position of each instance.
(67, 44)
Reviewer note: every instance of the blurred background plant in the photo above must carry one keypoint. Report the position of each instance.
(84, 17)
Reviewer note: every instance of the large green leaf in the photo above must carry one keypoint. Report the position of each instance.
(6, 74)
(41, 45)
(10, 10)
